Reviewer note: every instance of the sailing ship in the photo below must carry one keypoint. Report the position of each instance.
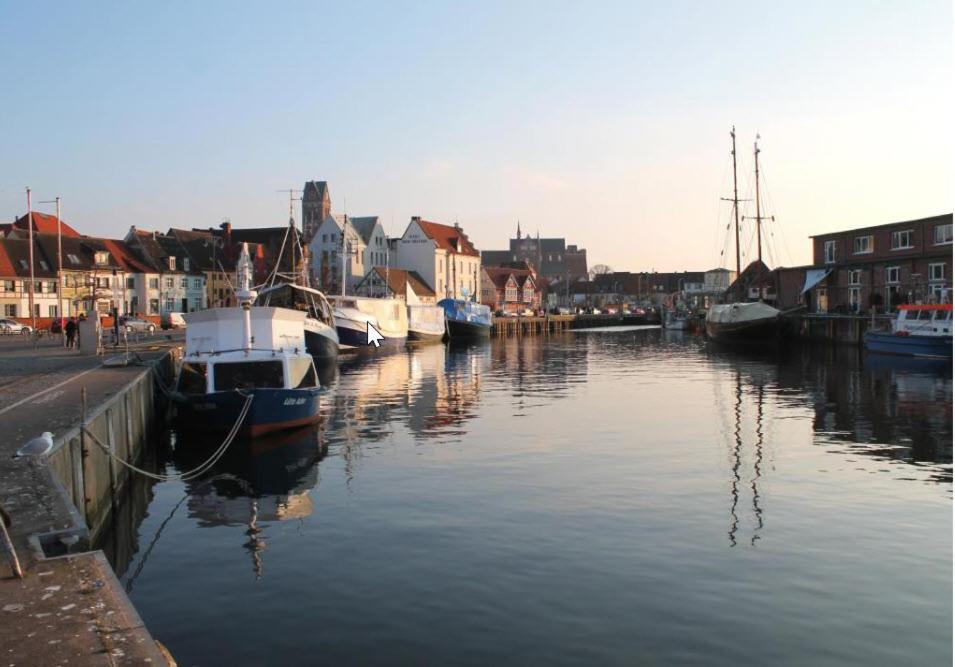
(293, 290)
(743, 321)
(245, 368)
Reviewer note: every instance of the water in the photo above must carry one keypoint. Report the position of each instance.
(613, 498)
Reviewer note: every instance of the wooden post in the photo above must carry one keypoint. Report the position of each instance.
(84, 456)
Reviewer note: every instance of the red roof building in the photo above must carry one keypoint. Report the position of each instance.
(42, 224)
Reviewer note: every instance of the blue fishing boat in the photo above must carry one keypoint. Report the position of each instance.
(246, 368)
(466, 319)
(918, 330)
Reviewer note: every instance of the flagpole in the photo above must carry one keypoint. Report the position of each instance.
(30, 241)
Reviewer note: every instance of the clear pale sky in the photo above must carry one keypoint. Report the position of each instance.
(605, 122)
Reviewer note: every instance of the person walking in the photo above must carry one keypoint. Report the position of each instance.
(70, 330)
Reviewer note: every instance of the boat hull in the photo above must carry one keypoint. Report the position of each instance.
(761, 330)
(458, 330)
(351, 337)
(421, 336)
(322, 344)
(935, 347)
(271, 410)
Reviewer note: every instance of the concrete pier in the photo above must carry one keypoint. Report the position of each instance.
(69, 608)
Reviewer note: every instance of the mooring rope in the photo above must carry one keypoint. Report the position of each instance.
(195, 472)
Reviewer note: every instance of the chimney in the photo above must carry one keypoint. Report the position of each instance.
(416, 218)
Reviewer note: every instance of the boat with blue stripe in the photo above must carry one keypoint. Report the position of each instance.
(919, 330)
(466, 319)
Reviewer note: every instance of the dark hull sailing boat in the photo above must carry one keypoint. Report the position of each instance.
(292, 290)
(744, 321)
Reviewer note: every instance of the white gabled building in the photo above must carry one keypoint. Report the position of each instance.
(366, 247)
(443, 256)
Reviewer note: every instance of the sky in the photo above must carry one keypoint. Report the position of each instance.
(606, 123)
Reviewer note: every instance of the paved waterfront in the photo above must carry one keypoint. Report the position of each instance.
(66, 610)
(610, 497)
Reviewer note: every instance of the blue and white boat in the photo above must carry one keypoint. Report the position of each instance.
(466, 319)
(354, 313)
(247, 367)
(918, 330)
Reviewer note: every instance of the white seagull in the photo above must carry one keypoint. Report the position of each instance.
(39, 446)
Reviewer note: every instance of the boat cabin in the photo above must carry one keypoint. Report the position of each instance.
(924, 320)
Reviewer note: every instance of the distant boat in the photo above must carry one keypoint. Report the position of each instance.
(918, 330)
(321, 338)
(426, 323)
(353, 314)
(466, 319)
(744, 321)
(246, 367)
(676, 320)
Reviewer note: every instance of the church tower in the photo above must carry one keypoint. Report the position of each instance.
(316, 206)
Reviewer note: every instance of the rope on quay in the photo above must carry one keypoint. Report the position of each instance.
(189, 474)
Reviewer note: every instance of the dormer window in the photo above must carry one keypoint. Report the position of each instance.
(101, 258)
(185, 264)
(172, 263)
(24, 264)
(73, 258)
(44, 265)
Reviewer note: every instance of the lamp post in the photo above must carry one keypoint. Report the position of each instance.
(30, 241)
(59, 258)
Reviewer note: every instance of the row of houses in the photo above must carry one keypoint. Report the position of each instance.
(145, 273)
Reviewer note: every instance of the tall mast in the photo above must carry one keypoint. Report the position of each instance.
(344, 250)
(30, 237)
(759, 219)
(735, 202)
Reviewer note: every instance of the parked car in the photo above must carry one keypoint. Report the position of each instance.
(173, 321)
(138, 325)
(11, 326)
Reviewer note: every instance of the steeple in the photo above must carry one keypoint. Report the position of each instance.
(518, 230)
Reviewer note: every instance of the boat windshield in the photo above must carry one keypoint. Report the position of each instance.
(248, 375)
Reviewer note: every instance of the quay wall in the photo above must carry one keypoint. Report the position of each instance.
(840, 329)
(125, 422)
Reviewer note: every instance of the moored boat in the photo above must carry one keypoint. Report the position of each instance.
(426, 323)
(466, 319)
(742, 322)
(353, 314)
(246, 368)
(321, 337)
(676, 319)
(918, 330)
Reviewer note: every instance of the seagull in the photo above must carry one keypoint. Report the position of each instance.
(39, 446)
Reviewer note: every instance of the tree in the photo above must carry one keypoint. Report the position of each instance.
(599, 270)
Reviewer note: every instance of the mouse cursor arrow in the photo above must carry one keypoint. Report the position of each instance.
(373, 335)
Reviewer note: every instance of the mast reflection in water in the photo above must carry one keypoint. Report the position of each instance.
(607, 497)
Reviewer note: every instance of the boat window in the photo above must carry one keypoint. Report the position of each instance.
(192, 378)
(249, 375)
(302, 373)
(911, 314)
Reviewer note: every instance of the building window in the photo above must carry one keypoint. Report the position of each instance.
(184, 282)
(36, 310)
(862, 245)
(197, 283)
(51, 287)
(892, 274)
(76, 260)
(172, 263)
(9, 310)
(185, 264)
(855, 299)
(52, 311)
(8, 286)
(101, 258)
(822, 300)
(939, 293)
(510, 294)
(855, 277)
(169, 283)
(44, 265)
(170, 305)
(936, 272)
(154, 283)
(154, 306)
(902, 240)
(942, 234)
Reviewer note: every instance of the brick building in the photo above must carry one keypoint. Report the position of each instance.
(509, 290)
(880, 267)
(552, 259)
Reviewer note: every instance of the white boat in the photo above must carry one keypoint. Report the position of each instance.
(353, 314)
(321, 337)
(246, 367)
(426, 323)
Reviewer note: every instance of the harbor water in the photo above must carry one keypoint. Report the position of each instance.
(614, 497)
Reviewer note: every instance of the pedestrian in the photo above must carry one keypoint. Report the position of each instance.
(70, 330)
